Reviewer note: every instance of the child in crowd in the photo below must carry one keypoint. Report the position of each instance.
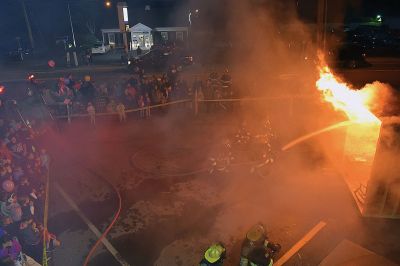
(141, 105)
(121, 112)
(92, 113)
(111, 106)
(147, 102)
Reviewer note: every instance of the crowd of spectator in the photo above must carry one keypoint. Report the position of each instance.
(139, 91)
(23, 170)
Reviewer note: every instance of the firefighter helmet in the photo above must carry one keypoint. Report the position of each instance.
(214, 253)
(256, 232)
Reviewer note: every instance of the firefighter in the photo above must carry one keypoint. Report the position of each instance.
(264, 141)
(243, 135)
(226, 83)
(213, 86)
(214, 255)
(223, 159)
(257, 250)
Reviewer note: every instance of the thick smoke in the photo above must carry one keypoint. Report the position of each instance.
(269, 44)
(382, 101)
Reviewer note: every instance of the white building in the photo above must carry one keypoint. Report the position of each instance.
(144, 36)
(141, 36)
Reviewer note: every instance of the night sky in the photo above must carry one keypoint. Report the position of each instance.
(49, 18)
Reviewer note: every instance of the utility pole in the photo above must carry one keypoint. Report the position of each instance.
(73, 37)
(28, 24)
(322, 20)
(70, 23)
(123, 21)
(325, 25)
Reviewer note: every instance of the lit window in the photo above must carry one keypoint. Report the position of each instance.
(164, 35)
(125, 12)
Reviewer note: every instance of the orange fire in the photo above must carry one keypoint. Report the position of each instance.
(353, 102)
(362, 133)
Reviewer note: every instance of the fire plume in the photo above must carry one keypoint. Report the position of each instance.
(354, 103)
(362, 132)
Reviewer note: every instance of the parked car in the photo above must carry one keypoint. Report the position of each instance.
(160, 59)
(101, 49)
(16, 55)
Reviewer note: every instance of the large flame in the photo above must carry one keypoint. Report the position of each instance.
(361, 135)
(353, 102)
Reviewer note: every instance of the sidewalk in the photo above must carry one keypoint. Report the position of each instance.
(13, 75)
(351, 254)
(13, 71)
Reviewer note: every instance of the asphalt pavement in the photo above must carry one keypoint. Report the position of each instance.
(169, 218)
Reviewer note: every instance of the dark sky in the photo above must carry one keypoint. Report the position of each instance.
(49, 17)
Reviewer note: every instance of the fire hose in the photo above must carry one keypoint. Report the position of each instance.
(116, 216)
(201, 170)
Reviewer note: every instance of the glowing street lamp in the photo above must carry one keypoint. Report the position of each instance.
(108, 4)
(379, 18)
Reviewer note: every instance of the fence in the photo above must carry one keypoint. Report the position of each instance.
(45, 259)
(194, 104)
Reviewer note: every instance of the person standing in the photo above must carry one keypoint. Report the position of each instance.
(200, 99)
(121, 112)
(226, 83)
(138, 51)
(147, 102)
(213, 83)
(87, 90)
(141, 105)
(31, 239)
(92, 113)
(10, 248)
(256, 243)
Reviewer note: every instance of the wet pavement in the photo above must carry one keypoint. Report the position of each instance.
(170, 220)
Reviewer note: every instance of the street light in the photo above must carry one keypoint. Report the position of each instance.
(108, 4)
(73, 37)
(72, 25)
(28, 24)
(194, 14)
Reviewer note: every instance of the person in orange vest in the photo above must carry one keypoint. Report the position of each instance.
(214, 255)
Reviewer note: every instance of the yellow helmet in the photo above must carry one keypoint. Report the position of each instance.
(256, 232)
(214, 252)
